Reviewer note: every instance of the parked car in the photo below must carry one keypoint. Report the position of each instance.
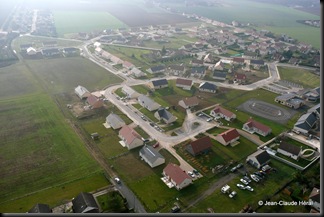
(239, 166)
(209, 119)
(244, 181)
(195, 171)
(175, 209)
(231, 195)
(254, 178)
(247, 179)
(249, 188)
(117, 180)
(152, 124)
(240, 186)
(233, 169)
(191, 174)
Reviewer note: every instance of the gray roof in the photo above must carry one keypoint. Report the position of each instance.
(257, 62)
(199, 70)
(208, 86)
(219, 74)
(146, 100)
(40, 208)
(285, 97)
(128, 90)
(163, 113)
(84, 203)
(114, 120)
(293, 149)
(80, 90)
(150, 153)
(160, 82)
(177, 67)
(261, 156)
(157, 68)
(315, 108)
(306, 121)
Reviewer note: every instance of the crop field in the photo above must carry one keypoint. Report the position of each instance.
(299, 76)
(84, 21)
(274, 17)
(38, 148)
(134, 15)
(64, 74)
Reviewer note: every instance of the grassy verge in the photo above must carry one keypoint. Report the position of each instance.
(299, 76)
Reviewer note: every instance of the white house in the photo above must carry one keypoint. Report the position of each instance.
(151, 156)
(289, 150)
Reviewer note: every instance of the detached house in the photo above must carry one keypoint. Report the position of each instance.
(207, 87)
(130, 137)
(198, 72)
(184, 83)
(156, 69)
(189, 102)
(115, 121)
(151, 156)
(305, 123)
(164, 115)
(85, 203)
(219, 75)
(82, 92)
(239, 77)
(199, 146)
(130, 92)
(220, 112)
(258, 159)
(253, 126)
(228, 137)
(94, 102)
(148, 103)
(289, 150)
(238, 60)
(176, 69)
(159, 84)
(179, 178)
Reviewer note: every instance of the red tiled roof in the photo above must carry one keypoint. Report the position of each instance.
(229, 135)
(176, 173)
(184, 82)
(225, 112)
(238, 60)
(129, 134)
(92, 99)
(262, 127)
(201, 144)
(240, 76)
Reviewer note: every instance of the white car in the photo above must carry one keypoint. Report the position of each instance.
(244, 181)
(240, 186)
(117, 180)
(254, 178)
(231, 195)
(191, 174)
(249, 188)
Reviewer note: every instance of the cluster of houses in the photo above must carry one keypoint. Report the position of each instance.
(48, 49)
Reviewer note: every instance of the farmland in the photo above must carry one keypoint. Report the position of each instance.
(84, 21)
(265, 16)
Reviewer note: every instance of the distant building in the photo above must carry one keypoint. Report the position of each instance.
(184, 83)
(189, 102)
(156, 69)
(207, 87)
(159, 84)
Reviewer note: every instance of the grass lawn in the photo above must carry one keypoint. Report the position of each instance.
(39, 149)
(266, 188)
(112, 202)
(299, 76)
(59, 193)
(84, 21)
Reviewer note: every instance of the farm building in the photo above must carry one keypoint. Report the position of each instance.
(258, 159)
(115, 121)
(228, 137)
(85, 203)
(220, 112)
(148, 103)
(253, 126)
(189, 102)
(199, 146)
(207, 87)
(179, 178)
(164, 115)
(82, 92)
(130, 137)
(151, 156)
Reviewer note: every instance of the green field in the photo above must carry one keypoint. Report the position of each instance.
(300, 76)
(84, 21)
(39, 149)
(276, 18)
